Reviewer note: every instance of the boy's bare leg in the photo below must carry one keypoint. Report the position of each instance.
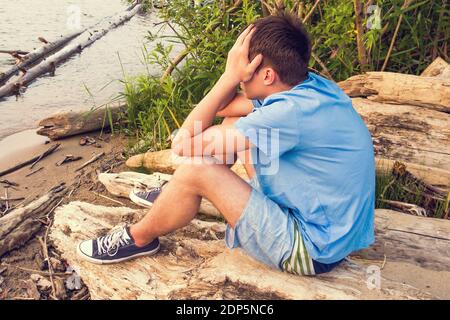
(180, 199)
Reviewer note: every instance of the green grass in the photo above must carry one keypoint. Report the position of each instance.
(390, 187)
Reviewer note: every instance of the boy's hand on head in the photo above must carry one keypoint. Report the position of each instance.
(238, 67)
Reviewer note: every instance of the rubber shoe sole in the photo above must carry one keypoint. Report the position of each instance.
(99, 261)
(139, 201)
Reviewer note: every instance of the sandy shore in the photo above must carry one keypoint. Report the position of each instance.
(29, 259)
(27, 144)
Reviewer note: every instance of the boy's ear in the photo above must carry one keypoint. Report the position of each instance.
(269, 76)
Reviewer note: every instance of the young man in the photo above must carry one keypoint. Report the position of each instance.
(310, 201)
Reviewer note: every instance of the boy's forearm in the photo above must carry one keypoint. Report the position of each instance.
(202, 116)
(239, 106)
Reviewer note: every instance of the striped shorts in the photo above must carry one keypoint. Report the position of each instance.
(300, 262)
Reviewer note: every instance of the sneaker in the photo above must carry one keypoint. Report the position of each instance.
(147, 197)
(117, 246)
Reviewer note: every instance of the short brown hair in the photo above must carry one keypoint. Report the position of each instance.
(284, 44)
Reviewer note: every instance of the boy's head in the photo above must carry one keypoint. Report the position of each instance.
(286, 49)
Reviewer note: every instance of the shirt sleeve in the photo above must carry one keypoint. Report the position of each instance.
(273, 127)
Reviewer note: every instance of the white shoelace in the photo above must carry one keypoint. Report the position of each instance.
(111, 243)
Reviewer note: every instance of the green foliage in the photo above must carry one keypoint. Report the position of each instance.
(390, 187)
(206, 33)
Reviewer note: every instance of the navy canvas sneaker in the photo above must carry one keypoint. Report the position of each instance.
(147, 197)
(117, 246)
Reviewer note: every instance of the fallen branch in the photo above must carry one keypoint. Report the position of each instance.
(47, 258)
(40, 272)
(33, 160)
(68, 158)
(406, 207)
(9, 183)
(20, 225)
(108, 198)
(93, 159)
(34, 171)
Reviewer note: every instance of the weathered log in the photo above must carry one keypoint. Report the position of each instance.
(21, 224)
(407, 133)
(396, 88)
(30, 161)
(165, 161)
(439, 68)
(193, 263)
(120, 185)
(38, 54)
(66, 124)
(85, 39)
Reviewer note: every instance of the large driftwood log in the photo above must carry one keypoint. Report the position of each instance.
(439, 68)
(37, 55)
(65, 124)
(396, 88)
(407, 133)
(21, 224)
(194, 262)
(165, 161)
(84, 40)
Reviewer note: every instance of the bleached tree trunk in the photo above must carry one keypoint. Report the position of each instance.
(396, 88)
(66, 124)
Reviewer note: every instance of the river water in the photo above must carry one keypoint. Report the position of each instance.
(86, 79)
